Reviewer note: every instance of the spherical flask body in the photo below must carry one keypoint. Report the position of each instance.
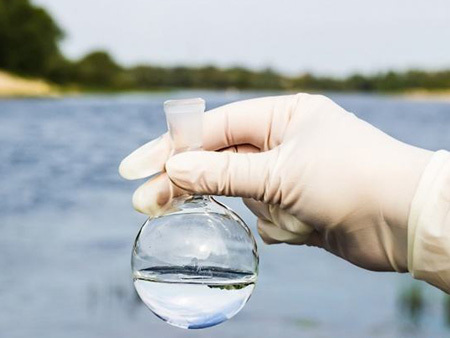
(196, 265)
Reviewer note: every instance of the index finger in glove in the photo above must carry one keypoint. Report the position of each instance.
(259, 122)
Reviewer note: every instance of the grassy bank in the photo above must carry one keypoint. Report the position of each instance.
(427, 95)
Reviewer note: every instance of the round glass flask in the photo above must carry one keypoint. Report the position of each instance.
(196, 265)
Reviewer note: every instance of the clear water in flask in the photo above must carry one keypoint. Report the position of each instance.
(194, 299)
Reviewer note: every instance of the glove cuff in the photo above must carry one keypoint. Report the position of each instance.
(429, 224)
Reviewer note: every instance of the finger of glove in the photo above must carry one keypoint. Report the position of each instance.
(286, 221)
(155, 195)
(221, 173)
(147, 160)
(280, 218)
(260, 122)
(260, 209)
(272, 234)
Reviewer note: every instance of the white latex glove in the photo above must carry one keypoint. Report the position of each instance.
(311, 172)
(429, 224)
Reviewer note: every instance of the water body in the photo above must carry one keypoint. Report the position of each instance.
(67, 227)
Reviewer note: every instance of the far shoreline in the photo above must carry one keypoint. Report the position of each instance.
(17, 87)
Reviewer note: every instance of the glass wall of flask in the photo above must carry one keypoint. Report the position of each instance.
(196, 265)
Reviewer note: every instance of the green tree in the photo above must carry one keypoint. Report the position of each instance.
(28, 38)
(358, 83)
(98, 69)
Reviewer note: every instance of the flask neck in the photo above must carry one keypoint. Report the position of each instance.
(185, 125)
(190, 201)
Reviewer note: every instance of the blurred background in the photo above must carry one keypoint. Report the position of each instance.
(82, 84)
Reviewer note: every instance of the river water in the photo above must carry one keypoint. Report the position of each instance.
(67, 227)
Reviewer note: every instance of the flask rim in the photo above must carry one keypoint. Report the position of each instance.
(184, 106)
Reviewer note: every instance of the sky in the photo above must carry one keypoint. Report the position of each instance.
(335, 37)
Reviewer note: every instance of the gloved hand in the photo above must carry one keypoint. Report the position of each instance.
(311, 172)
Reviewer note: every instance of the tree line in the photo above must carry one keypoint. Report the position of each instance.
(29, 45)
